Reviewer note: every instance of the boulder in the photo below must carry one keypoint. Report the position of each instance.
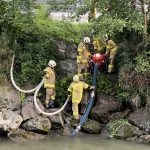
(120, 115)
(68, 67)
(24, 136)
(9, 97)
(91, 126)
(121, 129)
(135, 102)
(71, 51)
(61, 45)
(141, 118)
(28, 110)
(84, 102)
(104, 107)
(144, 139)
(39, 125)
(66, 130)
(62, 49)
(10, 120)
(55, 122)
(62, 53)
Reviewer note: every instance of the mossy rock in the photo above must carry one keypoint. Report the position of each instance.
(121, 129)
(24, 136)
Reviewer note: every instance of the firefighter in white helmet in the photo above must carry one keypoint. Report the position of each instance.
(49, 83)
(76, 89)
(83, 56)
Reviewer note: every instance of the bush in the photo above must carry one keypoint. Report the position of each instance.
(61, 89)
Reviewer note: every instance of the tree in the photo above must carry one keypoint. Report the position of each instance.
(115, 16)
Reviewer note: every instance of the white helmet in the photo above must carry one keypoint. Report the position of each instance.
(76, 78)
(52, 63)
(106, 37)
(86, 40)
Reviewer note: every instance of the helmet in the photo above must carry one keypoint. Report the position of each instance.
(86, 40)
(52, 63)
(106, 37)
(76, 78)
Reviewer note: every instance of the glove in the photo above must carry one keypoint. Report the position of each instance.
(92, 87)
(69, 95)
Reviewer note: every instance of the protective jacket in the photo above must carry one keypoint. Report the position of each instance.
(84, 53)
(77, 90)
(98, 44)
(49, 78)
(111, 46)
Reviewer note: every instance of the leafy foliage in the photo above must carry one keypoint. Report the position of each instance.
(143, 63)
(61, 89)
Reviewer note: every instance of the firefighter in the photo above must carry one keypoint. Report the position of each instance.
(76, 89)
(83, 56)
(49, 84)
(111, 51)
(98, 45)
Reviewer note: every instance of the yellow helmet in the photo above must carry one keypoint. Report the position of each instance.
(75, 78)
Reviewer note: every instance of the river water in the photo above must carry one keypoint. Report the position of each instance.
(85, 142)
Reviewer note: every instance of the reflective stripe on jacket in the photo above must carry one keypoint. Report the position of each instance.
(77, 91)
(49, 78)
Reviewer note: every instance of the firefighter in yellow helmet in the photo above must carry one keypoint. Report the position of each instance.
(76, 89)
(83, 56)
(49, 84)
(111, 51)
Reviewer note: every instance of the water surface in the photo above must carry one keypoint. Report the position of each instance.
(84, 142)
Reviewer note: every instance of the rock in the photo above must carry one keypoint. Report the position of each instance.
(144, 139)
(120, 115)
(141, 119)
(24, 136)
(71, 51)
(84, 102)
(62, 49)
(65, 131)
(147, 99)
(61, 45)
(28, 110)
(135, 102)
(68, 67)
(39, 125)
(121, 129)
(62, 53)
(9, 97)
(55, 122)
(91, 126)
(10, 120)
(105, 106)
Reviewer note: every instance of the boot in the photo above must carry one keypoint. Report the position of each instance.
(51, 104)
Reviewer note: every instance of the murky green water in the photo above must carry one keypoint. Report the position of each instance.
(80, 143)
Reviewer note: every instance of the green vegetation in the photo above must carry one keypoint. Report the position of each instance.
(33, 40)
(27, 31)
(121, 128)
(61, 89)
